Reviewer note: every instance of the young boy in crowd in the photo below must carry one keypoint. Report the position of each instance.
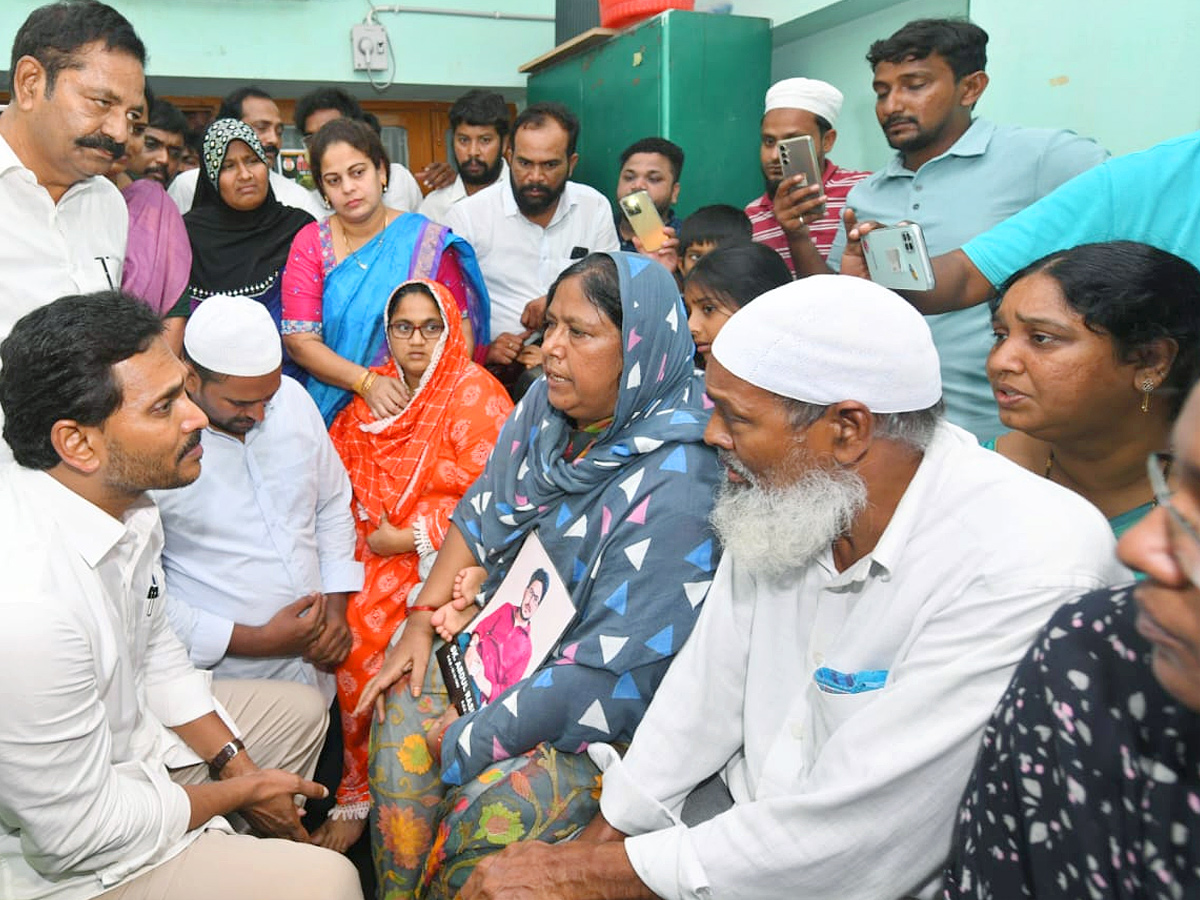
(707, 229)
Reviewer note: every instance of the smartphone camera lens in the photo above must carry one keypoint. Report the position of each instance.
(908, 243)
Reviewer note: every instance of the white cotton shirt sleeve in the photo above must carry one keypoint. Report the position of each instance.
(403, 192)
(56, 758)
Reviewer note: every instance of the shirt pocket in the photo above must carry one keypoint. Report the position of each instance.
(833, 708)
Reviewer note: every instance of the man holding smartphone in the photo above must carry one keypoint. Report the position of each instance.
(956, 176)
(796, 220)
(653, 165)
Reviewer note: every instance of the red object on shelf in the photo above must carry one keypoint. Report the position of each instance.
(620, 13)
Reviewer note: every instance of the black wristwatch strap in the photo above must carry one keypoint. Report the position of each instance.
(226, 753)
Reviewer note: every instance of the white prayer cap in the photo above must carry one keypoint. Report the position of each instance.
(233, 336)
(817, 97)
(829, 338)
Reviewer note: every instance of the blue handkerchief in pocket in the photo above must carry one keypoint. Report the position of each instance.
(832, 681)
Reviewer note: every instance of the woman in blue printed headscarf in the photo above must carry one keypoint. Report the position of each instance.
(604, 459)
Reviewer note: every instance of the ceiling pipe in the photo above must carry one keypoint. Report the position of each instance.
(470, 13)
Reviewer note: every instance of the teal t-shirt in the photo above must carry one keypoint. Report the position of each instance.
(1149, 196)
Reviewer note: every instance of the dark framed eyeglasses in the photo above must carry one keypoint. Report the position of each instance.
(404, 330)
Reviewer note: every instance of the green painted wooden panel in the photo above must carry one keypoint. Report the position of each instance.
(694, 78)
(718, 73)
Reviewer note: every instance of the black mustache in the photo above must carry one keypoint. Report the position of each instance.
(115, 149)
(896, 120)
(189, 446)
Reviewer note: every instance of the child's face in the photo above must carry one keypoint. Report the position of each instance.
(694, 253)
(707, 315)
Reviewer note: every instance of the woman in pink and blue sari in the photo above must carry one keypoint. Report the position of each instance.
(341, 271)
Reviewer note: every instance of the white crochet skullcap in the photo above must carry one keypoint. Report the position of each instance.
(233, 336)
(817, 97)
(829, 338)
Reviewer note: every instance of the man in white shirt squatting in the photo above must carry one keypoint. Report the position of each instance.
(882, 576)
(259, 552)
(77, 84)
(104, 787)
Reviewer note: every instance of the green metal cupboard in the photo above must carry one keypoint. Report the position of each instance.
(693, 78)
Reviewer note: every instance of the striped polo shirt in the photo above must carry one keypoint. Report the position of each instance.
(767, 230)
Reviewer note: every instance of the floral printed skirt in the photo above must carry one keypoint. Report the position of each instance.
(427, 837)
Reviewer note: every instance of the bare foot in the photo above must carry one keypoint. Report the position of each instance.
(468, 582)
(458, 613)
(339, 835)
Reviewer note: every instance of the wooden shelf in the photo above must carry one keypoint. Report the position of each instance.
(577, 44)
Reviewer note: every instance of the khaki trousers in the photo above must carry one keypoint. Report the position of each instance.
(283, 725)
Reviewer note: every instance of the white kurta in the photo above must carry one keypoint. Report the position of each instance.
(519, 259)
(437, 204)
(853, 796)
(92, 677)
(50, 250)
(267, 522)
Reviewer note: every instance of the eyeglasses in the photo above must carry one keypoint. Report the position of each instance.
(404, 330)
(1185, 540)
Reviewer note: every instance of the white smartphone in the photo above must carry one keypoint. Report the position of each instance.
(644, 219)
(897, 258)
(798, 156)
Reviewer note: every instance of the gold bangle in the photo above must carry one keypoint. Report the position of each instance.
(364, 383)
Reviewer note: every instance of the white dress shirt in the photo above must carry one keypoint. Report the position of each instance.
(50, 250)
(436, 204)
(92, 677)
(287, 192)
(520, 259)
(267, 522)
(403, 192)
(853, 795)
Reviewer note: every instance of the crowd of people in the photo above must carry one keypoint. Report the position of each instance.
(850, 618)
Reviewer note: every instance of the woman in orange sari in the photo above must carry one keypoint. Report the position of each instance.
(408, 473)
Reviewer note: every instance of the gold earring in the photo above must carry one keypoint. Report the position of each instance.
(1147, 390)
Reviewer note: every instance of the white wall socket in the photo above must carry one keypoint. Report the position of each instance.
(369, 46)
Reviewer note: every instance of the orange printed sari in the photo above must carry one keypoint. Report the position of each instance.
(414, 468)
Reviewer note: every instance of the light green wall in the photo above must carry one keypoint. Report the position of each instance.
(229, 42)
(1123, 73)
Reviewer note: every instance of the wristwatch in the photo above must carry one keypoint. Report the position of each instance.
(224, 755)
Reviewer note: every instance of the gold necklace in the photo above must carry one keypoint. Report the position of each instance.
(346, 243)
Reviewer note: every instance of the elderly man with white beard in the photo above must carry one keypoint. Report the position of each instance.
(882, 577)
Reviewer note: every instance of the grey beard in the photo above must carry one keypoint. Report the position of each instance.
(774, 532)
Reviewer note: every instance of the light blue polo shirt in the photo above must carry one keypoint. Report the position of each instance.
(992, 172)
(1152, 197)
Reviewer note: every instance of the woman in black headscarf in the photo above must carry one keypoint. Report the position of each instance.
(240, 234)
